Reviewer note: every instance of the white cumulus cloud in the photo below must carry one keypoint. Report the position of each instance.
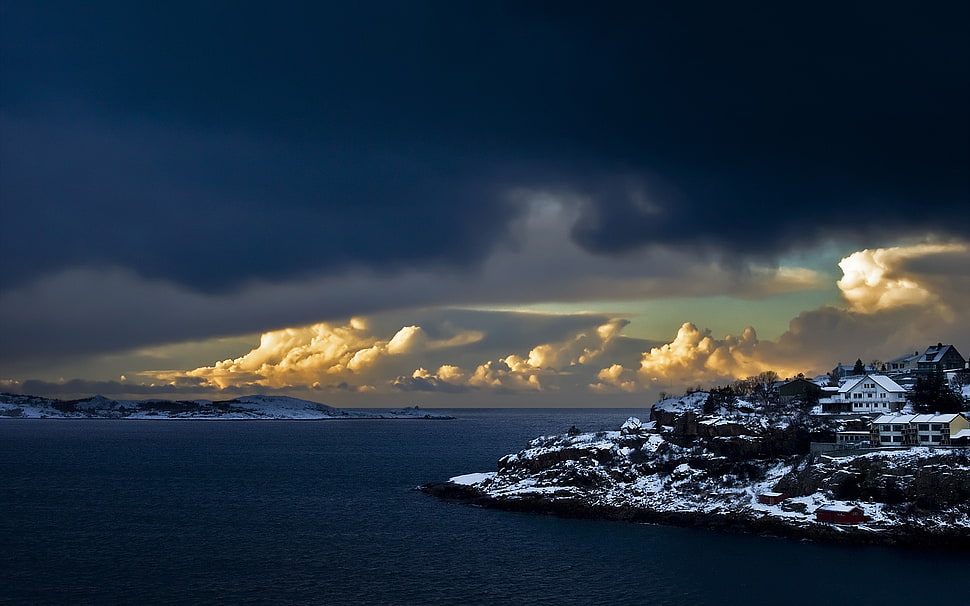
(882, 278)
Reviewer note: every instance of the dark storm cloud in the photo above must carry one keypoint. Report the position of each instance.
(84, 386)
(213, 143)
(405, 383)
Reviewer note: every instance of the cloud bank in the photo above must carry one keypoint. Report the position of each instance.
(316, 356)
(86, 311)
(380, 137)
(895, 300)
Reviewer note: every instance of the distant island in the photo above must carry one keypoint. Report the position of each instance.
(708, 461)
(247, 407)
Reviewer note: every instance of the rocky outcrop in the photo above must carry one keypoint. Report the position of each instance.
(737, 434)
(903, 535)
(932, 480)
(656, 475)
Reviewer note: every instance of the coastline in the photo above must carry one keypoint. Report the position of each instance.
(731, 522)
(734, 470)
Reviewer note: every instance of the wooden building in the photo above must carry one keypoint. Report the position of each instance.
(771, 498)
(840, 514)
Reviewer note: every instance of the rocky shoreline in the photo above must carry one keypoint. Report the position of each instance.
(691, 468)
(903, 536)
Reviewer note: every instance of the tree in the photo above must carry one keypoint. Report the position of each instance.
(859, 368)
(743, 387)
(765, 387)
(960, 378)
(718, 397)
(932, 394)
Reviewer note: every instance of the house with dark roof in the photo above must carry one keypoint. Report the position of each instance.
(800, 390)
(843, 371)
(940, 358)
(905, 363)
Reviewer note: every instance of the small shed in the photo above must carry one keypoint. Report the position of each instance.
(840, 514)
(771, 498)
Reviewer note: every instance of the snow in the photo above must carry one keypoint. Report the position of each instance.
(661, 476)
(838, 508)
(472, 478)
(246, 407)
(692, 401)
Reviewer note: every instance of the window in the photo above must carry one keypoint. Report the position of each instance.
(924, 427)
(897, 438)
(885, 428)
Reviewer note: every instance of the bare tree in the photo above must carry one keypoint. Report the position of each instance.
(766, 387)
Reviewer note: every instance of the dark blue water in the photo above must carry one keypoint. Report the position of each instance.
(265, 512)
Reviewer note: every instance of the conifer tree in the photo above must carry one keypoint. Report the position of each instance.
(931, 394)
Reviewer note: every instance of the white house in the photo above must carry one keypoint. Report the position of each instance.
(918, 430)
(868, 393)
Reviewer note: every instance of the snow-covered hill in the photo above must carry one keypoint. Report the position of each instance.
(692, 470)
(247, 407)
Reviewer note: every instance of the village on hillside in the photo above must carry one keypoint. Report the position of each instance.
(873, 453)
(919, 399)
(915, 400)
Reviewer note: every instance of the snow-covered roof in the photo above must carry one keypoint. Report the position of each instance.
(881, 380)
(772, 494)
(963, 433)
(904, 358)
(935, 353)
(837, 507)
(945, 418)
(894, 419)
(935, 418)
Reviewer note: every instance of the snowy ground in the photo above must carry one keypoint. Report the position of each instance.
(247, 407)
(603, 469)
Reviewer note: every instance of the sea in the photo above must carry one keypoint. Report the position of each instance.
(326, 512)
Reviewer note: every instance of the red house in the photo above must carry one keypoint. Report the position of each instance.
(771, 498)
(840, 514)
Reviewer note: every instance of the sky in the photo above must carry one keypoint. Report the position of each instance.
(476, 204)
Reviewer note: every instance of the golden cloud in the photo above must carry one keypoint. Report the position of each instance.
(301, 356)
(694, 356)
(880, 279)
(536, 371)
(615, 378)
